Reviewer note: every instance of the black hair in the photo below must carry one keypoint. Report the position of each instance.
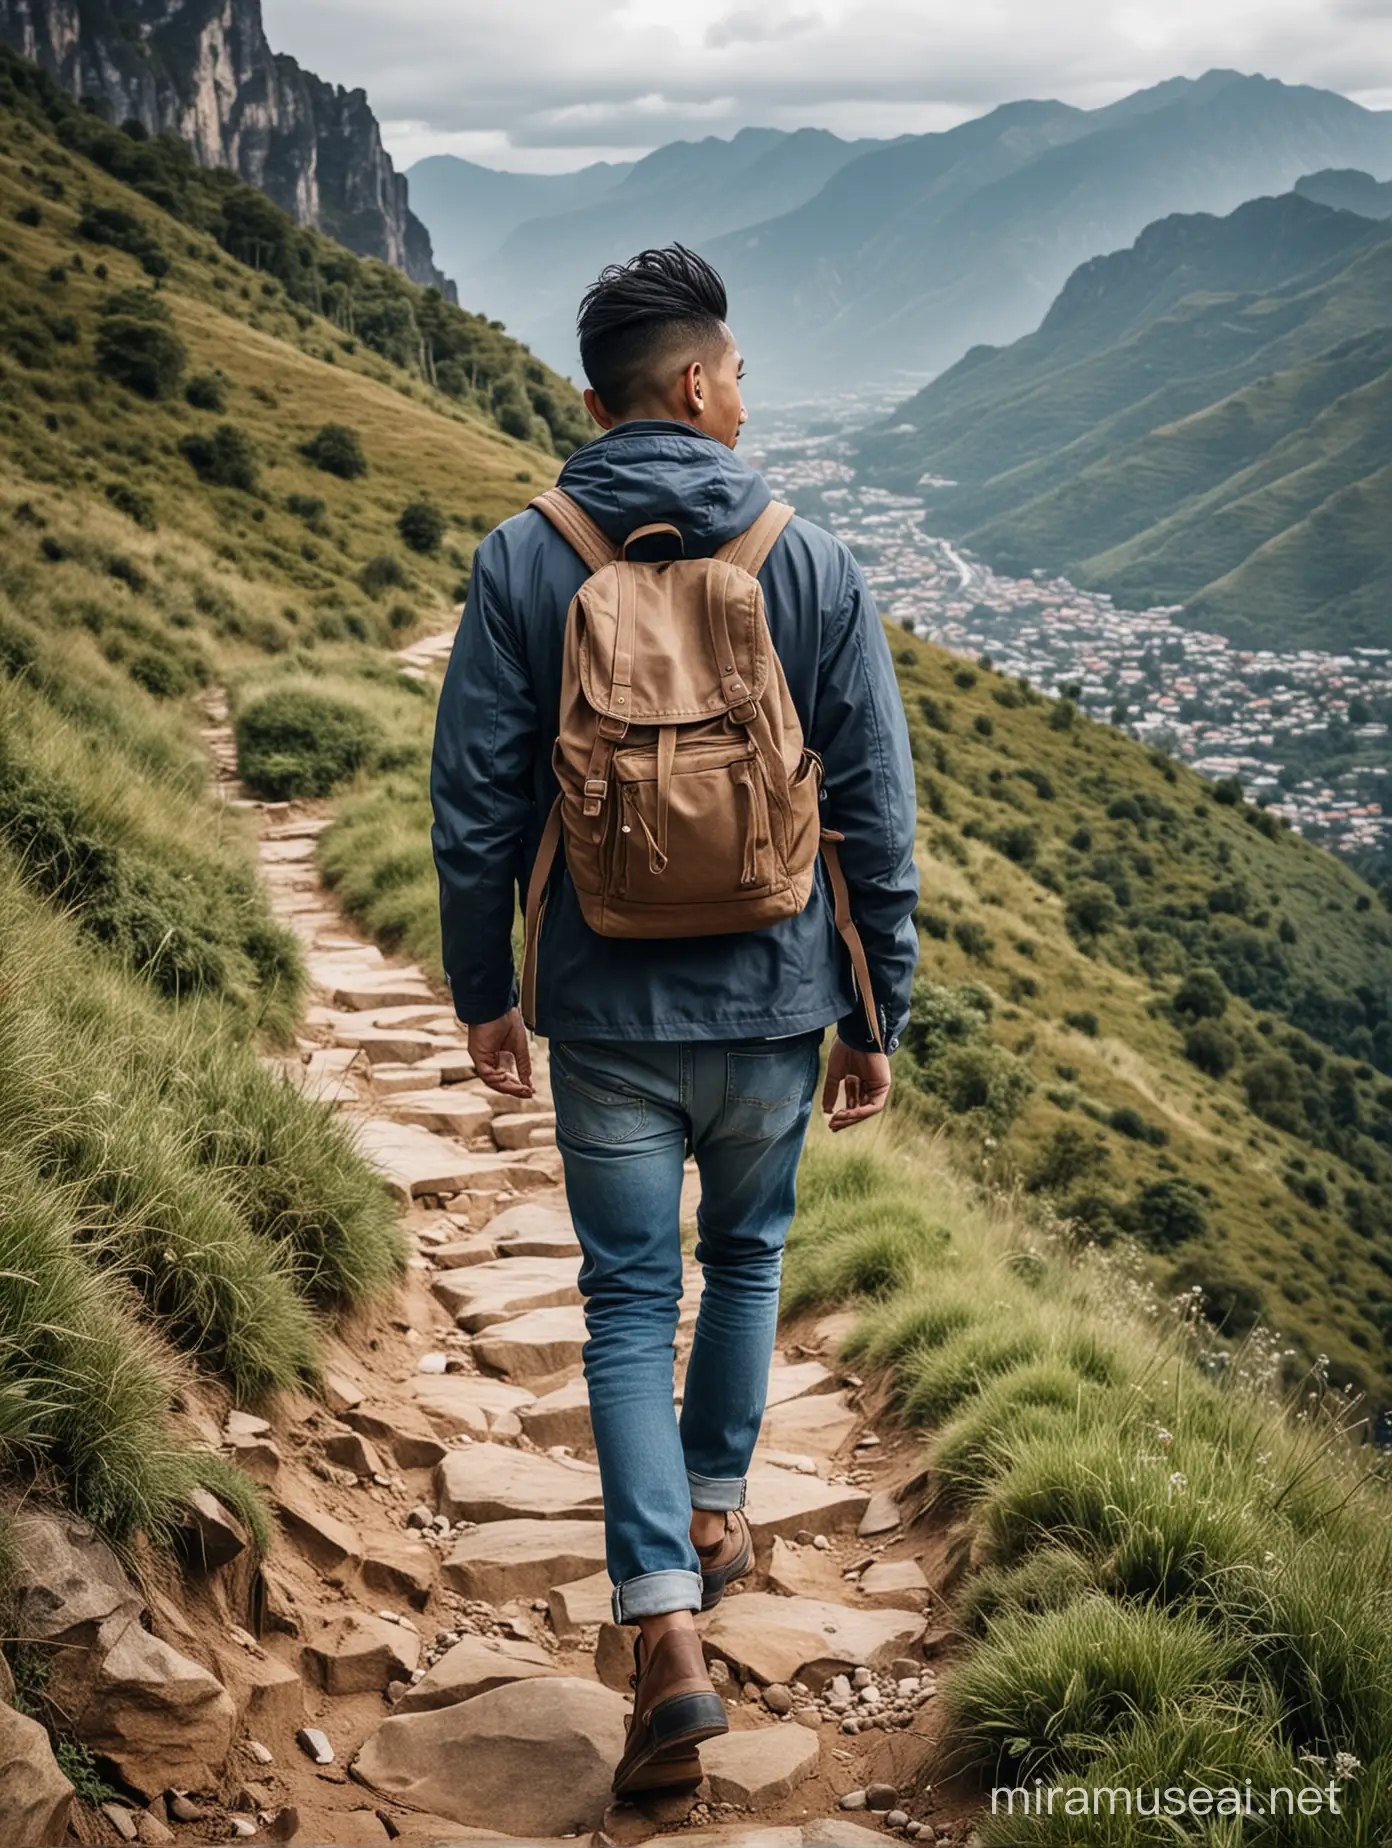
(636, 309)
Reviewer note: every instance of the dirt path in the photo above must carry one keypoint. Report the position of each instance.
(440, 1519)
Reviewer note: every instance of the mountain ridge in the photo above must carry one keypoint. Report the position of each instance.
(204, 70)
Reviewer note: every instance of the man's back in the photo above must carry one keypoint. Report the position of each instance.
(498, 720)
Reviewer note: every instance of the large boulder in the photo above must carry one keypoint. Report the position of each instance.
(759, 1768)
(533, 1758)
(162, 1720)
(35, 1797)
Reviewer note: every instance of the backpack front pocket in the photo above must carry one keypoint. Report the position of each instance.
(700, 825)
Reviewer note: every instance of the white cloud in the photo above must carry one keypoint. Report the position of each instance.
(554, 83)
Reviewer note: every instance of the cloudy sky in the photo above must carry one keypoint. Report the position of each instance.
(552, 84)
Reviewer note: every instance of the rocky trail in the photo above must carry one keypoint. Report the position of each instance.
(427, 1655)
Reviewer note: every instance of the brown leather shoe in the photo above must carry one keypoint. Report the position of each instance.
(674, 1709)
(730, 1558)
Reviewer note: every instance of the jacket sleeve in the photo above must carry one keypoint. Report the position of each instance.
(482, 791)
(862, 737)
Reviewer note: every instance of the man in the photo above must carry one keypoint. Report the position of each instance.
(707, 1044)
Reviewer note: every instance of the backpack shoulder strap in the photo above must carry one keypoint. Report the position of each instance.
(576, 527)
(750, 548)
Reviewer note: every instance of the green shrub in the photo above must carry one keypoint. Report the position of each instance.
(1018, 842)
(161, 674)
(1070, 1155)
(133, 502)
(1169, 1213)
(338, 450)
(1129, 1122)
(382, 572)
(206, 392)
(973, 940)
(142, 355)
(226, 459)
(1210, 1049)
(1083, 1021)
(422, 526)
(1091, 910)
(295, 742)
(1202, 995)
(986, 1079)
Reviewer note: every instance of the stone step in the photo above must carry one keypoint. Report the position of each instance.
(521, 1132)
(449, 1111)
(560, 1417)
(805, 1639)
(579, 1605)
(473, 1666)
(534, 1347)
(490, 1482)
(368, 997)
(413, 1161)
(761, 1767)
(781, 1501)
(794, 1381)
(534, 1229)
(480, 1295)
(463, 1402)
(819, 1426)
(526, 1558)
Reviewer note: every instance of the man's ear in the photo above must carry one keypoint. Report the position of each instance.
(594, 404)
(694, 389)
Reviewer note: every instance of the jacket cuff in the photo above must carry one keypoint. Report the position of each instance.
(476, 1008)
(852, 1029)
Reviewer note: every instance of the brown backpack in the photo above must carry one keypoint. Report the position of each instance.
(689, 802)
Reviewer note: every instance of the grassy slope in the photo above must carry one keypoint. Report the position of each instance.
(164, 1201)
(1169, 1582)
(1191, 454)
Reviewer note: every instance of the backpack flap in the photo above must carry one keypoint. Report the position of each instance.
(672, 643)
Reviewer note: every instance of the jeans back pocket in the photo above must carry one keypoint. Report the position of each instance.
(767, 1092)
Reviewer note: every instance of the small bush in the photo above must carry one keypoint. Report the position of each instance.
(1018, 842)
(384, 572)
(133, 502)
(983, 726)
(338, 450)
(1210, 1049)
(1091, 910)
(162, 675)
(984, 1078)
(1202, 995)
(294, 742)
(1069, 1156)
(144, 356)
(1130, 1123)
(207, 391)
(1083, 1022)
(1170, 1212)
(972, 939)
(933, 924)
(30, 214)
(421, 526)
(226, 459)
(1062, 715)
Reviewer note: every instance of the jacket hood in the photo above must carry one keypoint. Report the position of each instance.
(647, 471)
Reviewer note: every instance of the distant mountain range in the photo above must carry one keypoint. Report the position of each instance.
(1349, 191)
(204, 70)
(1204, 418)
(529, 244)
(849, 262)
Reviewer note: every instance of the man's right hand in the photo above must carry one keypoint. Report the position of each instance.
(501, 1054)
(866, 1077)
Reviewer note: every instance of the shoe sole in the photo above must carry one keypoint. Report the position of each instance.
(670, 1760)
(713, 1584)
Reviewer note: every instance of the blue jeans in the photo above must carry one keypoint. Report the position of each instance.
(626, 1115)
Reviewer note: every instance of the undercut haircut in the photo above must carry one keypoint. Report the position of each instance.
(640, 311)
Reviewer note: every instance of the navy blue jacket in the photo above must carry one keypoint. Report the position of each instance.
(492, 783)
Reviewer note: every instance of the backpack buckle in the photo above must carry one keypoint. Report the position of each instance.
(744, 715)
(596, 789)
(610, 727)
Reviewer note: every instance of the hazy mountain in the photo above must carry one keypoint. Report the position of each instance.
(912, 254)
(204, 70)
(471, 209)
(1205, 418)
(693, 191)
(1349, 191)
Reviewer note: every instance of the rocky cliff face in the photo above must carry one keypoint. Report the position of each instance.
(203, 70)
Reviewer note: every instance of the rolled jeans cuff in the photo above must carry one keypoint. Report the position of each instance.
(653, 1594)
(716, 1494)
